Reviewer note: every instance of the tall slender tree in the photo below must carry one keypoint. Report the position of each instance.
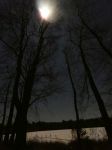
(94, 88)
(79, 43)
(75, 99)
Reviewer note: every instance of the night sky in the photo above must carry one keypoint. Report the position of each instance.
(60, 106)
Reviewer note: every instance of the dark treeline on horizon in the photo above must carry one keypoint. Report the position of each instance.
(70, 124)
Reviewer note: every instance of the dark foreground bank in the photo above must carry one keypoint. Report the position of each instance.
(86, 144)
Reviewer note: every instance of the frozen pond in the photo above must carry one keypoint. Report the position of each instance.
(65, 135)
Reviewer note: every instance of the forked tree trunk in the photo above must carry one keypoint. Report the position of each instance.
(15, 97)
(21, 126)
(97, 95)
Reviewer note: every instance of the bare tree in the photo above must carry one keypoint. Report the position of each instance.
(75, 98)
(100, 102)
(79, 40)
(33, 72)
(4, 111)
(82, 12)
(78, 129)
(99, 40)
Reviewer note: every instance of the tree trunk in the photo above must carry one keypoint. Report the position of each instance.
(21, 129)
(9, 123)
(4, 113)
(75, 101)
(21, 126)
(99, 100)
(13, 131)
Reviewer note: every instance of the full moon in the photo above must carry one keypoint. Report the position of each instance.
(48, 10)
(45, 12)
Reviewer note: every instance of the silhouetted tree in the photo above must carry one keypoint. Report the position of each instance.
(97, 95)
(83, 15)
(4, 111)
(35, 77)
(93, 86)
(79, 39)
(75, 96)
